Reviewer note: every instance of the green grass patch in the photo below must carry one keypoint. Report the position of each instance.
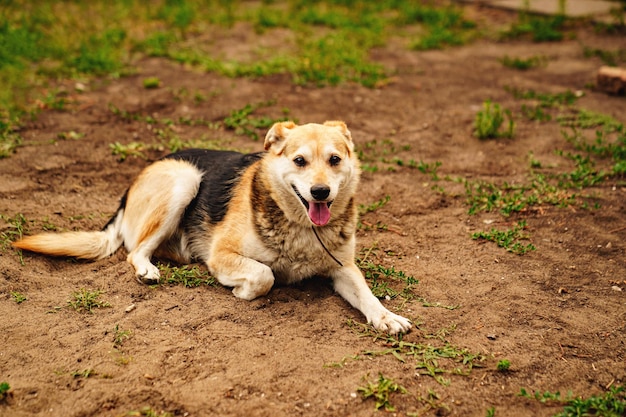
(4, 390)
(503, 365)
(85, 373)
(380, 278)
(591, 162)
(369, 208)
(328, 42)
(120, 336)
(610, 404)
(489, 121)
(383, 280)
(376, 155)
(14, 230)
(151, 83)
(565, 98)
(441, 27)
(538, 28)
(86, 301)
(244, 122)
(436, 360)
(9, 138)
(381, 390)
(610, 58)
(123, 151)
(189, 276)
(542, 105)
(609, 144)
(585, 119)
(18, 297)
(523, 64)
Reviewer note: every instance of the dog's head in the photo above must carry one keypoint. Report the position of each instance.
(315, 168)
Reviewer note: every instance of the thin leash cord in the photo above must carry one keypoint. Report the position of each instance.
(324, 246)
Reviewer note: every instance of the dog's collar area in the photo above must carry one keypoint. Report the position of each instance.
(325, 248)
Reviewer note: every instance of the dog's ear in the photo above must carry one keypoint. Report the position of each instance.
(342, 128)
(276, 135)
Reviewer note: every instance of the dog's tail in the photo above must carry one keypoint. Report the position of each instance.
(83, 245)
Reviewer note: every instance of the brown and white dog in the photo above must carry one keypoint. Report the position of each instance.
(282, 215)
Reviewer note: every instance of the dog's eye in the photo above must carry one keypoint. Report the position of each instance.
(299, 161)
(334, 160)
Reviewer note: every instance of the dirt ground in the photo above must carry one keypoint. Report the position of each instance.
(557, 313)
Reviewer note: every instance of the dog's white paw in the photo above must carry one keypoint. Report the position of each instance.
(148, 274)
(251, 289)
(391, 323)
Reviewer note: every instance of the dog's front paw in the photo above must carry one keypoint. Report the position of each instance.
(391, 323)
(148, 274)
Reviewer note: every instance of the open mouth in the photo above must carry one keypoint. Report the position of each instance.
(319, 212)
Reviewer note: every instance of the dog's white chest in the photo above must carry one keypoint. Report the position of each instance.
(297, 255)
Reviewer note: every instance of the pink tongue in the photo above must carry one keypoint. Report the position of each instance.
(319, 213)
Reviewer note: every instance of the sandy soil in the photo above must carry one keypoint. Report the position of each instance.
(556, 313)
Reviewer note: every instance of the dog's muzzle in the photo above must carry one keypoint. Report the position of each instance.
(318, 211)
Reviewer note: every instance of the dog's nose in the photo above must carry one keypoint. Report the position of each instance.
(320, 191)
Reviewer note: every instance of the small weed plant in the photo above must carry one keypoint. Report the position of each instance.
(442, 27)
(382, 279)
(4, 390)
(120, 336)
(539, 28)
(503, 365)
(85, 373)
(434, 360)
(131, 149)
(546, 100)
(86, 301)
(243, 122)
(151, 83)
(15, 229)
(16, 226)
(523, 64)
(364, 209)
(18, 297)
(381, 391)
(610, 404)
(9, 138)
(189, 276)
(610, 58)
(432, 403)
(542, 105)
(488, 122)
(376, 155)
(508, 239)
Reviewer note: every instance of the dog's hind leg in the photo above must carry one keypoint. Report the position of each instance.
(155, 206)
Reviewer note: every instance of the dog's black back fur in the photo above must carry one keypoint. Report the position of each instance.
(221, 169)
(220, 172)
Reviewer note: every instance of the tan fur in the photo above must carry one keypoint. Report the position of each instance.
(82, 245)
(268, 232)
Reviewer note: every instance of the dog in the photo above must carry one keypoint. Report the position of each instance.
(278, 216)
